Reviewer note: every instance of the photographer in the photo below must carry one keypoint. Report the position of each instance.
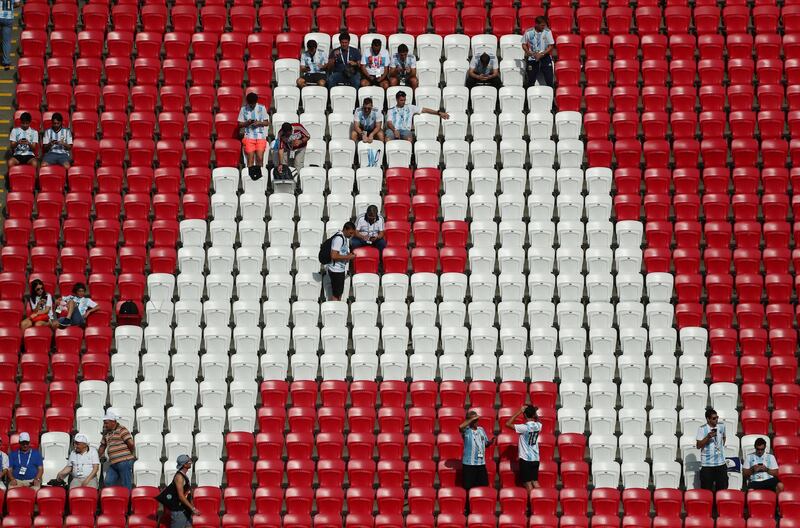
(403, 68)
(253, 120)
(344, 64)
(711, 443)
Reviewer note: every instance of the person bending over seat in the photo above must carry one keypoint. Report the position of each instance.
(290, 149)
(484, 72)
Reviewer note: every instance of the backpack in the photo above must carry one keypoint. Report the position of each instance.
(325, 249)
(129, 314)
(168, 497)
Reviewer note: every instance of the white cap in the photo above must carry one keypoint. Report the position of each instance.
(110, 415)
(24, 437)
(82, 438)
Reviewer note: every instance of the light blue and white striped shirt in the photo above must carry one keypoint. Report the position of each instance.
(402, 118)
(767, 459)
(713, 453)
(475, 442)
(63, 134)
(7, 9)
(257, 113)
(529, 440)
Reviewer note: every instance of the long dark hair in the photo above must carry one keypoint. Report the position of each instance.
(35, 283)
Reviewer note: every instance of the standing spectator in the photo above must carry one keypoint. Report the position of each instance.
(117, 443)
(40, 304)
(5, 469)
(344, 64)
(403, 68)
(253, 119)
(484, 71)
(375, 66)
(290, 149)
(23, 142)
(528, 445)
(760, 469)
(538, 45)
(313, 64)
(57, 143)
(7, 25)
(181, 505)
(340, 258)
(79, 307)
(711, 443)
(400, 118)
(26, 465)
(367, 123)
(83, 464)
(369, 230)
(473, 460)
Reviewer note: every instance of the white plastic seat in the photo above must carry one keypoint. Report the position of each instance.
(423, 366)
(454, 207)
(483, 153)
(663, 448)
(185, 366)
(482, 286)
(665, 395)
(540, 259)
(208, 472)
(633, 448)
(396, 39)
(540, 207)
(343, 99)
(568, 125)
(602, 448)
(483, 125)
(286, 98)
(598, 180)
(223, 232)
(455, 128)
(483, 367)
(600, 314)
(540, 125)
(632, 421)
(93, 393)
(540, 316)
(633, 394)
(663, 421)
(454, 340)
(542, 152)
(160, 286)
(211, 419)
(511, 72)
(147, 420)
(603, 393)
(484, 43)
(569, 256)
(340, 124)
(629, 233)
(342, 152)
(456, 46)
(483, 99)
(451, 313)
(513, 181)
(511, 259)
(366, 339)
(334, 367)
(659, 286)
(155, 365)
(570, 152)
(398, 153)
(631, 368)
(512, 233)
(147, 473)
(426, 127)
(425, 340)
(513, 152)
(148, 447)
(427, 96)
(423, 314)
(287, 71)
(176, 444)
(666, 474)
(572, 394)
(225, 180)
(193, 232)
(315, 99)
(570, 287)
(483, 231)
(305, 313)
(571, 368)
(724, 396)
(454, 98)
(364, 366)
(540, 99)
(429, 73)
(366, 286)
(427, 153)
(605, 474)
(456, 153)
(307, 286)
(429, 46)
(122, 394)
(125, 367)
(394, 339)
(394, 366)
(635, 474)
(424, 287)
(599, 287)
(694, 340)
(512, 98)
(571, 420)
(598, 207)
(365, 313)
(541, 367)
(541, 286)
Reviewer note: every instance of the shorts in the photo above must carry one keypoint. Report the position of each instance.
(313, 77)
(769, 484)
(474, 476)
(528, 471)
(24, 158)
(254, 145)
(401, 134)
(337, 283)
(56, 158)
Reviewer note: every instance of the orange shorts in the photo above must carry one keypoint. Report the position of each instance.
(254, 145)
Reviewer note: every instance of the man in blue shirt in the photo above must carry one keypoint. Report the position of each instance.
(538, 45)
(711, 443)
(344, 64)
(473, 460)
(26, 465)
(7, 29)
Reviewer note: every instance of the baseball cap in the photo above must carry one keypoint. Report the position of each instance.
(24, 437)
(182, 459)
(110, 416)
(82, 438)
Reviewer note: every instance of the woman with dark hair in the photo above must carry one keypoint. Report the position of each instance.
(79, 307)
(40, 304)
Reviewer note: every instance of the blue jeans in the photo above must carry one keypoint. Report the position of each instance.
(119, 474)
(379, 244)
(75, 320)
(7, 27)
(339, 79)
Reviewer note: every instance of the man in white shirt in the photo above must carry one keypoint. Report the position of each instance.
(375, 66)
(23, 143)
(369, 230)
(340, 257)
(528, 445)
(484, 71)
(7, 28)
(400, 119)
(313, 63)
(57, 143)
(253, 120)
(760, 469)
(538, 45)
(367, 123)
(711, 443)
(5, 469)
(83, 464)
(403, 68)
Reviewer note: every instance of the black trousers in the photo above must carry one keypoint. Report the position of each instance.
(714, 478)
(474, 476)
(472, 82)
(544, 66)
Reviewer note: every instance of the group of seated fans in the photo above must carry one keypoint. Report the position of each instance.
(24, 143)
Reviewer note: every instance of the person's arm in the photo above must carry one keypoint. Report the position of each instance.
(357, 125)
(64, 473)
(102, 449)
(71, 306)
(303, 140)
(385, 72)
(390, 126)
(463, 425)
(526, 45)
(181, 488)
(336, 256)
(39, 473)
(472, 74)
(92, 474)
(332, 58)
(703, 441)
(378, 126)
(510, 422)
(67, 143)
(129, 442)
(495, 70)
(772, 467)
(362, 66)
(90, 311)
(443, 115)
(46, 144)
(747, 471)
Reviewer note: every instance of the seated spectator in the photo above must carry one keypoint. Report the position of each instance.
(59, 310)
(538, 45)
(41, 306)
(313, 64)
(26, 465)
(375, 66)
(79, 307)
(403, 68)
(5, 469)
(367, 123)
(24, 142)
(83, 464)
(369, 230)
(760, 469)
(344, 64)
(290, 149)
(340, 258)
(399, 119)
(253, 120)
(57, 143)
(484, 72)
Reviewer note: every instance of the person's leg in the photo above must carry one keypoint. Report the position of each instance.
(365, 82)
(707, 479)
(356, 243)
(126, 474)
(26, 323)
(547, 72)
(722, 478)
(354, 135)
(13, 162)
(482, 476)
(77, 318)
(301, 82)
(249, 150)
(355, 80)
(471, 82)
(413, 82)
(335, 79)
(32, 161)
(7, 30)
(393, 80)
(531, 72)
(300, 158)
(379, 244)
(379, 136)
(779, 487)
(111, 477)
(337, 285)
(407, 135)
(468, 478)
(496, 82)
(390, 135)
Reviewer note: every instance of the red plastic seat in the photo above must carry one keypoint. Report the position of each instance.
(761, 503)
